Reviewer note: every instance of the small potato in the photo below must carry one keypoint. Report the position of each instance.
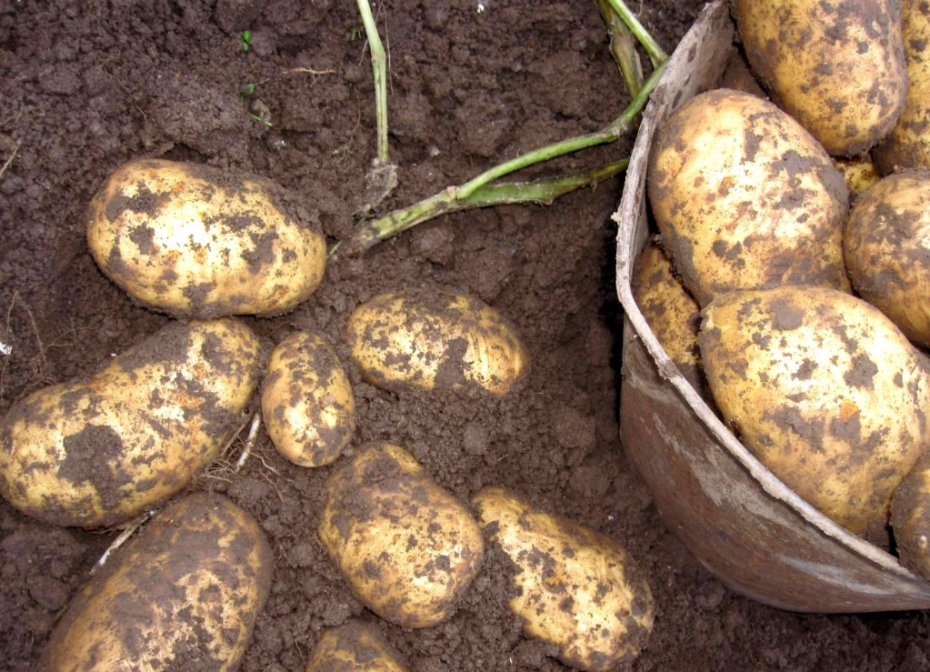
(194, 241)
(745, 198)
(408, 548)
(183, 595)
(436, 340)
(837, 66)
(824, 390)
(307, 401)
(859, 172)
(98, 451)
(355, 647)
(576, 588)
(887, 245)
(910, 518)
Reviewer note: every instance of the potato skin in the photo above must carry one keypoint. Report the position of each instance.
(859, 172)
(407, 548)
(578, 589)
(886, 251)
(436, 340)
(910, 518)
(824, 390)
(183, 595)
(908, 145)
(738, 77)
(745, 198)
(355, 647)
(307, 401)
(194, 241)
(838, 67)
(99, 451)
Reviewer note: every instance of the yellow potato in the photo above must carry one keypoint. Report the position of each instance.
(97, 451)
(307, 401)
(908, 145)
(824, 390)
(745, 198)
(407, 547)
(837, 66)
(887, 246)
(436, 340)
(355, 647)
(910, 518)
(576, 589)
(859, 172)
(194, 241)
(183, 595)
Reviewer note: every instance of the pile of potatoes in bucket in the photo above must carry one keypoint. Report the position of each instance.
(797, 302)
(204, 245)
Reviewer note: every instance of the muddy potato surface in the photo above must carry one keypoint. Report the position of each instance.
(355, 647)
(577, 589)
(887, 246)
(436, 340)
(745, 198)
(859, 172)
(908, 145)
(910, 518)
(824, 390)
(98, 451)
(739, 77)
(194, 241)
(407, 548)
(307, 401)
(837, 66)
(183, 595)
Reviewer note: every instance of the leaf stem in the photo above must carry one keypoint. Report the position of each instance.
(656, 54)
(379, 70)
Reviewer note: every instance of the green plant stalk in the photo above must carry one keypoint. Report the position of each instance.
(542, 191)
(656, 54)
(379, 70)
(622, 48)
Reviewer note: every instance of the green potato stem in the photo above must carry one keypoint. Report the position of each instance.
(379, 69)
(622, 48)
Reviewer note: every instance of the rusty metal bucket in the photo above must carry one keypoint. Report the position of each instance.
(741, 522)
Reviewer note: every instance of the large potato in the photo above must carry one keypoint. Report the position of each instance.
(908, 145)
(745, 198)
(824, 390)
(307, 401)
(355, 647)
(910, 518)
(407, 547)
(100, 450)
(194, 241)
(576, 588)
(436, 340)
(887, 247)
(837, 66)
(183, 595)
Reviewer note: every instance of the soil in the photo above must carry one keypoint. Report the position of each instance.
(87, 88)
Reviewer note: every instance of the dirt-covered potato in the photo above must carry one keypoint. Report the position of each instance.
(576, 589)
(183, 595)
(836, 66)
(887, 246)
(407, 547)
(824, 390)
(307, 401)
(738, 77)
(859, 172)
(910, 518)
(194, 241)
(97, 451)
(355, 647)
(436, 340)
(908, 145)
(745, 198)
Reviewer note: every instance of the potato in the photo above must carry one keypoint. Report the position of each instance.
(838, 66)
(738, 77)
(307, 401)
(910, 518)
(745, 198)
(859, 172)
(887, 246)
(100, 450)
(408, 548)
(576, 589)
(908, 145)
(183, 595)
(355, 647)
(436, 340)
(824, 390)
(194, 241)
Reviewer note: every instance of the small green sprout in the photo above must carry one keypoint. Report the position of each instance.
(355, 34)
(247, 90)
(246, 39)
(264, 122)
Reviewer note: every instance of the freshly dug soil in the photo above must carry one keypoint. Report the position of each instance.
(88, 86)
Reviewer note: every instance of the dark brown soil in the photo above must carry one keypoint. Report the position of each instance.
(89, 86)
